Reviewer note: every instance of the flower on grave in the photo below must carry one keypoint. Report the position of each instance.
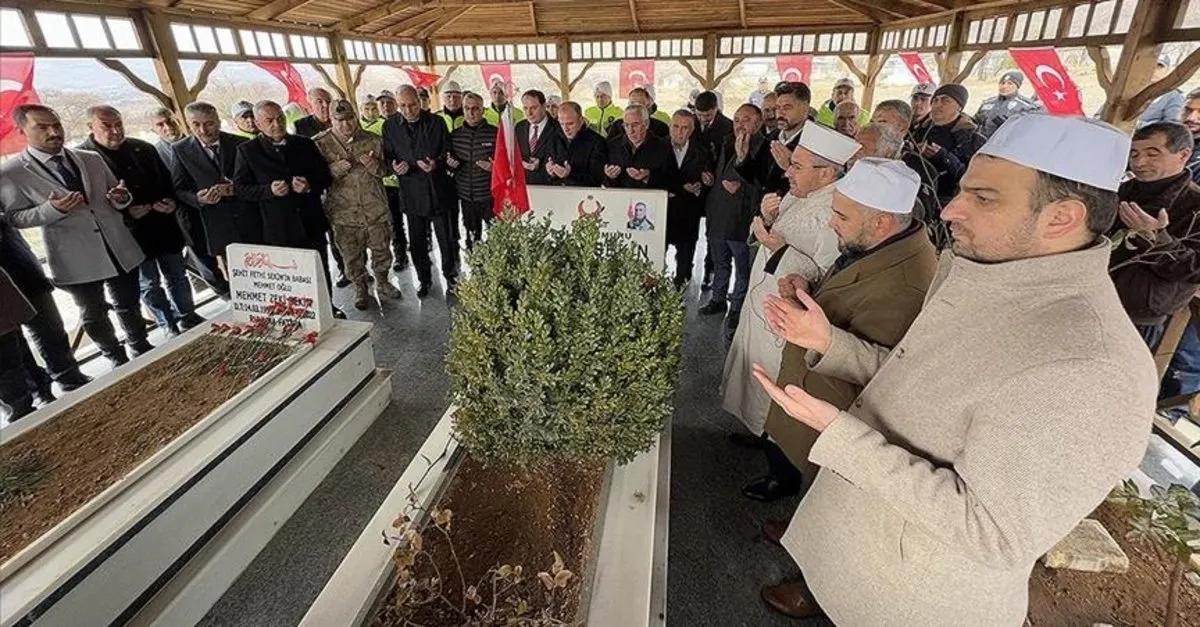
(310, 338)
(219, 327)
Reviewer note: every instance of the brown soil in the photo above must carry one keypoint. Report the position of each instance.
(1068, 598)
(77, 455)
(505, 515)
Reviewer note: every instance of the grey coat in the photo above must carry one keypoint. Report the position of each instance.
(78, 242)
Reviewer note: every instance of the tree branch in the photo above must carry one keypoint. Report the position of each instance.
(138, 83)
(202, 78)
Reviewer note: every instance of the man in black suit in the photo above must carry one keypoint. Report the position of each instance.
(713, 129)
(768, 165)
(579, 152)
(415, 146)
(686, 203)
(285, 174)
(639, 96)
(46, 326)
(637, 159)
(536, 136)
(206, 163)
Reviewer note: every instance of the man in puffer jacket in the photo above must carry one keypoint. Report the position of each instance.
(470, 161)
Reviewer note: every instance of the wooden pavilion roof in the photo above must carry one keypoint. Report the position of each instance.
(490, 19)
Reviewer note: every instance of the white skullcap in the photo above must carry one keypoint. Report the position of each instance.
(881, 184)
(452, 87)
(1077, 149)
(604, 87)
(828, 143)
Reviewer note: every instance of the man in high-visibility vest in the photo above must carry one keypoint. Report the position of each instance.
(655, 112)
(452, 107)
(369, 115)
(601, 116)
(243, 120)
(499, 103)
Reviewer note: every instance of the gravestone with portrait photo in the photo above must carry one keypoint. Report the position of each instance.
(640, 214)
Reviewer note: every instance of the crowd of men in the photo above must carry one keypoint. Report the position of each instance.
(940, 324)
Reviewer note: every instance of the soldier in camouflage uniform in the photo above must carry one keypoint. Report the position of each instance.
(356, 205)
(1009, 102)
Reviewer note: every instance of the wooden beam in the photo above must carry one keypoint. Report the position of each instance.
(742, 12)
(879, 11)
(417, 21)
(550, 75)
(962, 75)
(533, 19)
(1103, 62)
(1139, 56)
(853, 67)
(448, 19)
(874, 66)
(329, 81)
(700, 78)
(161, 45)
(375, 14)
(637, 28)
(345, 80)
(202, 79)
(710, 58)
(276, 8)
(564, 67)
(1183, 72)
(716, 82)
(138, 84)
(583, 72)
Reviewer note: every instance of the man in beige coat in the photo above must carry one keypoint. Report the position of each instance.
(1018, 398)
(356, 203)
(874, 290)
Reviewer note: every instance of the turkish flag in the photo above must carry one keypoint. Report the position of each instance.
(796, 68)
(638, 73)
(1050, 79)
(16, 88)
(493, 72)
(418, 77)
(917, 67)
(290, 77)
(508, 172)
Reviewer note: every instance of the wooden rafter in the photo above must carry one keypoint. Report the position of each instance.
(637, 28)
(742, 12)
(704, 81)
(447, 19)
(586, 66)
(533, 18)
(700, 78)
(853, 67)
(358, 74)
(550, 75)
(375, 14)
(417, 21)
(729, 70)
(970, 66)
(276, 8)
(871, 13)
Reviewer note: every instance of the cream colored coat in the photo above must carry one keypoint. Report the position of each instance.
(811, 250)
(1018, 398)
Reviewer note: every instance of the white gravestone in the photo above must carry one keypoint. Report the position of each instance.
(640, 214)
(262, 276)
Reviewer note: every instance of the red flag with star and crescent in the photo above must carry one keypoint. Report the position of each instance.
(1050, 79)
(291, 79)
(916, 66)
(508, 172)
(419, 77)
(636, 73)
(493, 72)
(16, 88)
(794, 68)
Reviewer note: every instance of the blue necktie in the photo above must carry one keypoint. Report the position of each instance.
(69, 178)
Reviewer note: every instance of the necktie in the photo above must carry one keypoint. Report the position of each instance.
(533, 139)
(214, 153)
(69, 178)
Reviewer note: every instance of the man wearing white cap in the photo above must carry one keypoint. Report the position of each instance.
(1016, 401)
(843, 91)
(921, 100)
(795, 238)
(452, 109)
(874, 291)
(1167, 107)
(243, 120)
(601, 116)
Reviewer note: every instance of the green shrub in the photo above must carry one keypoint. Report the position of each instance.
(565, 345)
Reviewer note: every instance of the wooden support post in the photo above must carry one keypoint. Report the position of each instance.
(564, 67)
(166, 61)
(435, 94)
(345, 80)
(562, 89)
(1135, 68)
(710, 59)
(338, 92)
